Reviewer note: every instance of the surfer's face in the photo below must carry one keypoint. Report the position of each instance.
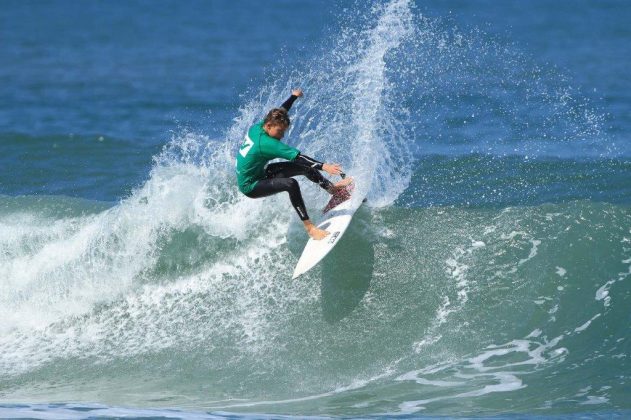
(275, 130)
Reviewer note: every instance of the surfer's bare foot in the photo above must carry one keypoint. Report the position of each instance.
(317, 234)
(314, 232)
(340, 184)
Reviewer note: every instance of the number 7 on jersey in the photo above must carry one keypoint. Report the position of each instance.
(246, 146)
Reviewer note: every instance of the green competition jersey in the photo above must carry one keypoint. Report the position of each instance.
(258, 149)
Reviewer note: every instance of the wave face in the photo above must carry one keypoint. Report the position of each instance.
(481, 277)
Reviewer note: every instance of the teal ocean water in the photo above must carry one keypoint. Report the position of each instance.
(488, 275)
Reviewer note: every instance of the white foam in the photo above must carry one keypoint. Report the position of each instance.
(603, 293)
(506, 383)
(354, 385)
(457, 267)
(513, 234)
(533, 251)
(586, 324)
(503, 372)
(534, 334)
(85, 263)
(594, 400)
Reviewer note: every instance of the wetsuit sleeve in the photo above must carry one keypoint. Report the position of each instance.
(289, 102)
(308, 162)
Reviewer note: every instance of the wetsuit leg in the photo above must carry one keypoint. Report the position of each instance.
(289, 169)
(270, 186)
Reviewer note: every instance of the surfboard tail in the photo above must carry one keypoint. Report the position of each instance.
(339, 197)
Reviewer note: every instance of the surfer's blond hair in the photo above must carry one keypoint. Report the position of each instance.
(277, 116)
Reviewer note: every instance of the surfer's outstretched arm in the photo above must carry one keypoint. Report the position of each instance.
(295, 94)
(311, 168)
(308, 162)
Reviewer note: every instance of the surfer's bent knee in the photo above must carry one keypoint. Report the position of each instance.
(276, 185)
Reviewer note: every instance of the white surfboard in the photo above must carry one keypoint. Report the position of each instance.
(336, 222)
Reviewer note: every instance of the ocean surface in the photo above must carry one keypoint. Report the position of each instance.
(488, 275)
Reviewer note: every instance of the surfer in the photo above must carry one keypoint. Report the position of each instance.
(262, 144)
